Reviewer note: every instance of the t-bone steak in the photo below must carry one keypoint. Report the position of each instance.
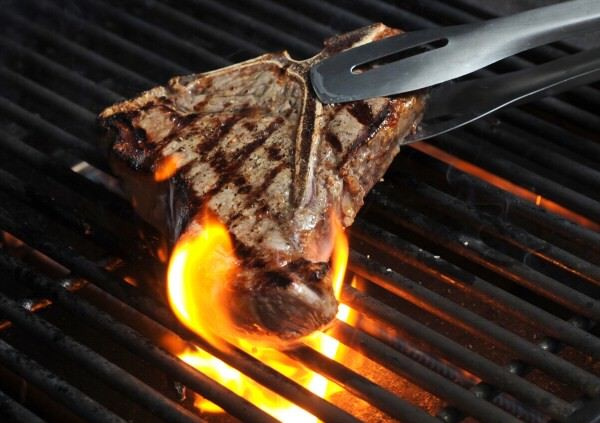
(255, 147)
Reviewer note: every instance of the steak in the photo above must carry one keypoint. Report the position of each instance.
(252, 144)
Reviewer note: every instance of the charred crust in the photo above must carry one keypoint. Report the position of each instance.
(275, 278)
(184, 205)
(250, 126)
(228, 167)
(319, 272)
(361, 111)
(345, 41)
(223, 128)
(257, 192)
(333, 141)
(274, 153)
(181, 121)
(248, 255)
(128, 142)
(341, 42)
(367, 133)
(239, 180)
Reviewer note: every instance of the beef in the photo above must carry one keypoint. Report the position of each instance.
(253, 145)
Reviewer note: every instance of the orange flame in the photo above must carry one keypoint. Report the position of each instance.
(209, 251)
(205, 250)
(505, 185)
(166, 168)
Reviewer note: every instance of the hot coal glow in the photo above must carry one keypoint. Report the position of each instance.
(200, 303)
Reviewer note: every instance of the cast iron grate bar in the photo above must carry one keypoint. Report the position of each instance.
(83, 405)
(14, 411)
(273, 34)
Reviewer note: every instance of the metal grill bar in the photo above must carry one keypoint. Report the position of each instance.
(416, 373)
(40, 235)
(473, 323)
(500, 263)
(139, 345)
(361, 386)
(86, 117)
(55, 387)
(13, 411)
(551, 227)
(559, 162)
(68, 141)
(268, 31)
(388, 12)
(138, 82)
(96, 32)
(203, 29)
(559, 136)
(529, 243)
(59, 71)
(487, 370)
(502, 165)
(161, 36)
(503, 136)
(481, 389)
(95, 363)
(60, 170)
(426, 262)
(290, 17)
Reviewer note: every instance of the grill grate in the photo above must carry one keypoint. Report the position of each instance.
(478, 257)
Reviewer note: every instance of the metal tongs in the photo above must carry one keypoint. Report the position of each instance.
(452, 52)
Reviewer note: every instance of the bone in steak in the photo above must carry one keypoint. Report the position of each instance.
(255, 147)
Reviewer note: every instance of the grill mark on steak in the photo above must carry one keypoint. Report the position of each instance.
(334, 141)
(366, 133)
(228, 168)
(361, 112)
(218, 134)
(262, 188)
(182, 121)
(274, 153)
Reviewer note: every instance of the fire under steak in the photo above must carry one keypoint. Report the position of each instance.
(253, 145)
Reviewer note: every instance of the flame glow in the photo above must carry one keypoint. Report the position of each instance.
(210, 252)
(166, 168)
(505, 185)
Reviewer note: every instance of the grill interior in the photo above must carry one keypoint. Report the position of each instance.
(477, 256)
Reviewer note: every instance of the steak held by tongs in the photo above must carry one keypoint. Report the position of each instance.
(255, 147)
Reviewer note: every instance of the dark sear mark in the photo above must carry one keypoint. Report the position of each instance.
(276, 278)
(239, 180)
(181, 121)
(361, 112)
(228, 167)
(131, 139)
(333, 141)
(367, 132)
(250, 126)
(211, 141)
(247, 255)
(274, 153)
